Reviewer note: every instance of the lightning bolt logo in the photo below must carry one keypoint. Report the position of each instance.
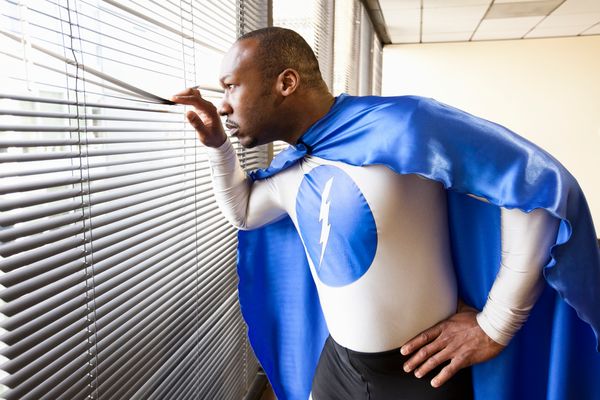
(324, 218)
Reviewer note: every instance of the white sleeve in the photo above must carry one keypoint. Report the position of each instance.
(246, 205)
(526, 242)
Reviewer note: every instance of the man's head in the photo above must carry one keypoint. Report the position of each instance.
(281, 48)
(270, 77)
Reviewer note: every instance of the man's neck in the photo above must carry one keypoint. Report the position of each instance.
(315, 105)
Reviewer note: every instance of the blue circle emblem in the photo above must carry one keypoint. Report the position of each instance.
(336, 225)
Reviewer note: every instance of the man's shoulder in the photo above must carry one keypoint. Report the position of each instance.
(380, 109)
(404, 100)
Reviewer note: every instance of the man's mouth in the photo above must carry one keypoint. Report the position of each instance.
(232, 127)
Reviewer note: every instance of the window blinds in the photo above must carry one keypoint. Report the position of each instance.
(343, 39)
(354, 68)
(377, 66)
(313, 20)
(117, 271)
(366, 54)
(346, 60)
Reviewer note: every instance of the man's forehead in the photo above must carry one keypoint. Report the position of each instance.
(239, 57)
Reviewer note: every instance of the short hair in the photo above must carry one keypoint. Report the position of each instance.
(281, 48)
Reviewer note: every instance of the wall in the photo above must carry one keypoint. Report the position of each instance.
(547, 90)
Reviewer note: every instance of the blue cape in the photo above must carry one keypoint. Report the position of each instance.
(552, 357)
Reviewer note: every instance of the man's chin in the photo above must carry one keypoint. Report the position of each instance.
(247, 142)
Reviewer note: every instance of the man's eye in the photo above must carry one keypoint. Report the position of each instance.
(229, 86)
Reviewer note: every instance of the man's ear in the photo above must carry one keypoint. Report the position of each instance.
(288, 81)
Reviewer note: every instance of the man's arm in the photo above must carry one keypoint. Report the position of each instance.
(526, 243)
(245, 205)
(468, 337)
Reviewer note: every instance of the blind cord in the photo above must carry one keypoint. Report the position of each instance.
(88, 254)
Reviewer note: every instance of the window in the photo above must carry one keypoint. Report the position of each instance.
(343, 39)
(313, 20)
(117, 270)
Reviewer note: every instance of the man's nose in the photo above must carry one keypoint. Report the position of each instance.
(224, 109)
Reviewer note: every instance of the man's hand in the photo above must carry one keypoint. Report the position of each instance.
(205, 117)
(458, 339)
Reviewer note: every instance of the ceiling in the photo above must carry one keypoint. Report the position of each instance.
(428, 21)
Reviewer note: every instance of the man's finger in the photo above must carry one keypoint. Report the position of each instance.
(448, 372)
(192, 91)
(191, 100)
(195, 120)
(190, 96)
(433, 361)
(423, 354)
(421, 340)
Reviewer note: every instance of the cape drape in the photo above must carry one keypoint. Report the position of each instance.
(554, 355)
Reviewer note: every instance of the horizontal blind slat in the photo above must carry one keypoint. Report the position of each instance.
(90, 164)
(106, 205)
(170, 169)
(114, 333)
(108, 383)
(8, 249)
(21, 346)
(184, 370)
(58, 155)
(113, 299)
(34, 389)
(104, 269)
(76, 379)
(176, 312)
(33, 99)
(166, 27)
(175, 361)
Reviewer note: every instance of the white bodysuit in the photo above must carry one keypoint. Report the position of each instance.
(378, 247)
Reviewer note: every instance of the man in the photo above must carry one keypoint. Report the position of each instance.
(373, 233)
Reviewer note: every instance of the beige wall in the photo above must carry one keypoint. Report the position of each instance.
(547, 90)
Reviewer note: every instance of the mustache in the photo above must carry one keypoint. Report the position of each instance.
(231, 125)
